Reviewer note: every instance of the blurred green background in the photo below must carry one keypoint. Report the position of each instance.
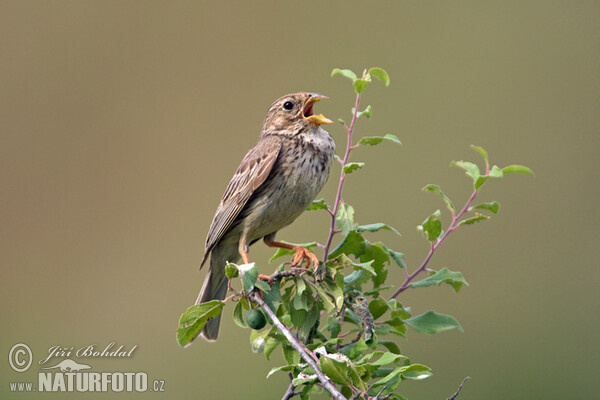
(122, 121)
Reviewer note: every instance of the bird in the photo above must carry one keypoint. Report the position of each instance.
(275, 182)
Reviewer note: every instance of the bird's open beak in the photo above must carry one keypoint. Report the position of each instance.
(307, 112)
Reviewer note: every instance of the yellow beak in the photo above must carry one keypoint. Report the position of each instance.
(315, 119)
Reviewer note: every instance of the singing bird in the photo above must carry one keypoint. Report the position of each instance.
(275, 182)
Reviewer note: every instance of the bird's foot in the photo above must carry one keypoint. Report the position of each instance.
(302, 254)
(267, 278)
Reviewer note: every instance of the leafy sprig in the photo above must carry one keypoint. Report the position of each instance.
(335, 327)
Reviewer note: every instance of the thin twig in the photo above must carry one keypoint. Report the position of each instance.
(289, 393)
(327, 384)
(435, 245)
(344, 161)
(459, 389)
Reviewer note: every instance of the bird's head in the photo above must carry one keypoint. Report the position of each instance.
(293, 113)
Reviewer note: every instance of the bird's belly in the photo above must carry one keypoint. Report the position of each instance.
(286, 195)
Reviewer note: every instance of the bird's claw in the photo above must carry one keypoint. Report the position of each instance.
(267, 278)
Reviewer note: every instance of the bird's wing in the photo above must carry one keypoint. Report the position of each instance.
(252, 172)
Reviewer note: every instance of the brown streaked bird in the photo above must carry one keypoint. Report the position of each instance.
(275, 182)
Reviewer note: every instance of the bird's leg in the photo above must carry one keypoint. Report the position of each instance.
(301, 252)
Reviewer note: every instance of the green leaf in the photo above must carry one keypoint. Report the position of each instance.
(360, 85)
(249, 276)
(353, 243)
(317, 205)
(471, 169)
(375, 140)
(304, 378)
(391, 346)
(517, 169)
(376, 227)
(352, 166)
(416, 372)
(335, 368)
(290, 355)
(431, 322)
(495, 172)
(283, 368)
(481, 151)
(480, 181)
(344, 220)
(470, 221)
(437, 189)
(493, 206)
(328, 301)
(238, 316)
(366, 266)
(444, 275)
(193, 320)
(344, 72)
(341, 121)
(366, 112)
(397, 257)
(378, 307)
(231, 271)
(432, 226)
(270, 345)
(380, 74)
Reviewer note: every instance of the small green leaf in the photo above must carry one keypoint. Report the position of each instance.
(416, 372)
(341, 121)
(304, 379)
(231, 271)
(431, 227)
(391, 346)
(375, 140)
(249, 276)
(480, 181)
(376, 227)
(366, 266)
(380, 74)
(193, 320)
(353, 243)
(270, 345)
(353, 166)
(360, 85)
(344, 72)
(378, 307)
(344, 220)
(444, 275)
(432, 322)
(366, 112)
(437, 189)
(335, 368)
(493, 206)
(397, 257)
(238, 316)
(495, 172)
(517, 169)
(481, 151)
(317, 205)
(471, 169)
(283, 368)
(470, 221)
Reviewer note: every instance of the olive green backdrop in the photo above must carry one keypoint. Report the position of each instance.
(122, 121)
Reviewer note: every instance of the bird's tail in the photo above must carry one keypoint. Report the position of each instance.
(214, 288)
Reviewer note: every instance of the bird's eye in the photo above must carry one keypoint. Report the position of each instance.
(288, 105)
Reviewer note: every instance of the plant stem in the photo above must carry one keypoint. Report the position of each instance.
(435, 245)
(327, 384)
(338, 197)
